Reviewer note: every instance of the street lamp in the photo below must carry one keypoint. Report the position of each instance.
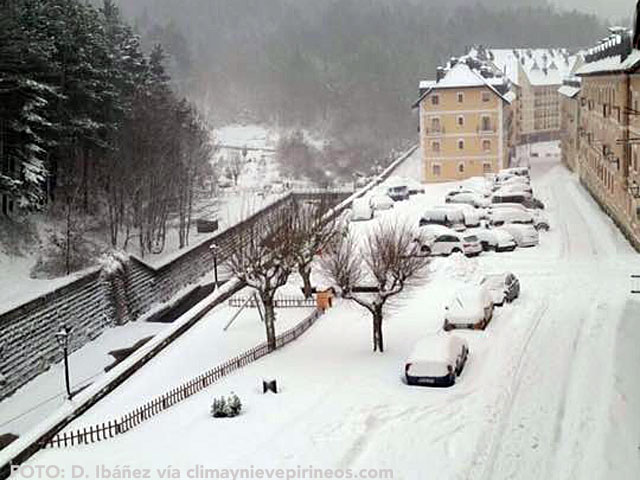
(213, 248)
(62, 336)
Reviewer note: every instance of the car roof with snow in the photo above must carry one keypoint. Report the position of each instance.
(437, 230)
(469, 298)
(435, 348)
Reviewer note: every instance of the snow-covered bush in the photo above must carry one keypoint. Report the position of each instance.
(230, 407)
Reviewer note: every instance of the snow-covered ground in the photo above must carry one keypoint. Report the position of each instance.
(551, 389)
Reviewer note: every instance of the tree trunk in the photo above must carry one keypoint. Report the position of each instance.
(305, 273)
(269, 320)
(378, 343)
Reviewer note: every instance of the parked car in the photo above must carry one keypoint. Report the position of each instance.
(471, 307)
(398, 192)
(503, 287)
(522, 198)
(436, 361)
(474, 199)
(524, 235)
(414, 186)
(450, 218)
(503, 216)
(519, 171)
(470, 215)
(461, 190)
(514, 183)
(381, 202)
(361, 209)
(439, 240)
(494, 239)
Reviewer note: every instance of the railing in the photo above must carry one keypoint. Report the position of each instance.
(281, 302)
(112, 428)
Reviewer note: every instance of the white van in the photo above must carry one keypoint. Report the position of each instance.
(436, 361)
(361, 209)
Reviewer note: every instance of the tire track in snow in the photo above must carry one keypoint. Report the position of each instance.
(516, 378)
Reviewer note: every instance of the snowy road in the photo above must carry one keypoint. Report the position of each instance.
(551, 390)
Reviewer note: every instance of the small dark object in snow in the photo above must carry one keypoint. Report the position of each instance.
(230, 407)
(269, 385)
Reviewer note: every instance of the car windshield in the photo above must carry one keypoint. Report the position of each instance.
(471, 238)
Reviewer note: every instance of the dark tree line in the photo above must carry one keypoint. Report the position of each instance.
(90, 124)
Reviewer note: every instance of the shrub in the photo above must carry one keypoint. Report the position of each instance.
(230, 407)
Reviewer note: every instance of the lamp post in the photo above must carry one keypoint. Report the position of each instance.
(213, 248)
(62, 336)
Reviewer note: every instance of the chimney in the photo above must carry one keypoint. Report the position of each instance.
(440, 73)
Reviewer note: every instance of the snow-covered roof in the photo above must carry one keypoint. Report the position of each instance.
(611, 64)
(568, 91)
(540, 66)
(461, 75)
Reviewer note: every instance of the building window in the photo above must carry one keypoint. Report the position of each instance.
(486, 97)
(435, 125)
(460, 97)
(435, 168)
(461, 167)
(435, 100)
(460, 121)
(635, 160)
(435, 146)
(486, 145)
(486, 167)
(460, 144)
(485, 124)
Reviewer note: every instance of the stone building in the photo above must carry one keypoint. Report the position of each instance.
(569, 121)
(609, 129)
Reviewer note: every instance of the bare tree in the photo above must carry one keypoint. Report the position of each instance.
(387, 258)
(264, 260)
(315, 228)
(235, 166)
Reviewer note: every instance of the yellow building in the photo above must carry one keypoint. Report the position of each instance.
(465, 122)
(609, 129)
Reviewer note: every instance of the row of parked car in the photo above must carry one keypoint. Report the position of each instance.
(469, 223)
(499, 217)
(438, 360)
(384, 198)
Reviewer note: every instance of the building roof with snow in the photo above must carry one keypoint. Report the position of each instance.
(540, 66)
(613, 54)
(467, 72)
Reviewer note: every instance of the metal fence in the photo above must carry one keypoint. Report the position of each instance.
(280, 302)
(110, 429)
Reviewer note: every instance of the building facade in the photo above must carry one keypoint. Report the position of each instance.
(536, 75)
(465, 123)
(609, 130)
(569, 122)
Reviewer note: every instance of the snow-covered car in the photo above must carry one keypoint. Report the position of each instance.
(503, 287)
(497, 206)
(439, 240)
(514, 189)
(524, 235)
(519, 171)
(361, 209)
(447, 217)
(469, 190)
(474, 199)
(436, 361)
(414, 186)
(514, 183)
(522, 198)
(504, 216)
(471, 307)
(470, 215)
(398, 192)
(381, 202)
(494, 239)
